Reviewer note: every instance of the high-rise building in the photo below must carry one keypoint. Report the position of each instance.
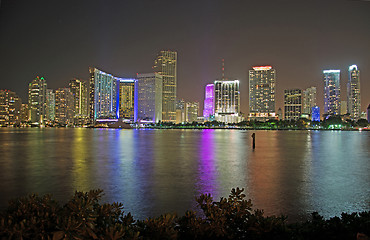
(37, 100)
(10, 108)
(103, 95)
(149, 97)
(315, 114)
(191, 111)
(262, 92)
(227, 101)
(166, 65)
(180, 111)
(25, 117)
(127, 98)
(331, 92)
(209, 102)
(50, 105)
(292, 104)
(64, 106)
(280, 114)
(79, 91)
(309, 100)
(343, 107)
(368, 113)
(353, 92)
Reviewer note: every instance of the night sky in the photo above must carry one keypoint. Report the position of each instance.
(61, 39)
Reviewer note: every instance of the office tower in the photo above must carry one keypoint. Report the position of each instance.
(64, 106)
(24, 113)
(227, 101)
(292, 104)
(191, 111)
(209, 102)
(149, 97)
(180, 111)
(127, 98)
(37, 100)
(50, 105)
(166, 65)
(353, 92)
(331, 92)
(79, 92)
(103, 95)
(309, 100)
(262, 92)
(368, 113)
(315, 114)
(280, 114)
(343, 107)
(10, 108)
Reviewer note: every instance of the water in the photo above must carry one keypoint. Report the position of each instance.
(158, 171)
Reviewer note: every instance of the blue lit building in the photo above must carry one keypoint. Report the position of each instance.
(103, 95)
(315, 114)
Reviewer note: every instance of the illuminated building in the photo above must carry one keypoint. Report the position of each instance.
(309, 100)
(166, 65)
(353, 92)
(64, 106)
(262, 93)
(292, 104)
(368, 113)
(149, 97)
(180, 111)
(79, 92)
(10, 108)
(280, 114)
(209, 102)
(50, 105)
(343, 107)
(315, 114)
(331, 92)
(127, 98)
(24, 113)
(103, 95)
(227, 101)
(37, 100)
(191, 111)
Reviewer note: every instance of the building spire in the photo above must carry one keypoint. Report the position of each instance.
(223, 69)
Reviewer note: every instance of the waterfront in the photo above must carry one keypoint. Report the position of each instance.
(156, 171)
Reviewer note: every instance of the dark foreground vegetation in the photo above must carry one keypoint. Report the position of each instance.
(83, 217)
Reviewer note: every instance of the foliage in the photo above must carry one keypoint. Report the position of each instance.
(83, 217)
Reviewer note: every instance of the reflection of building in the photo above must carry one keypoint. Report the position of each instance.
(262, 93)
(64, 106)
(37, 99)
(353, 92)
(80, 95)
(166, 65)
(103, 95)
(10, 108)
(50, 105)
(209, 102)
(331, 92)
(315, 114)
(227, 101)
(308, 100)
(127, 98)
(292, 104)
(149, 97)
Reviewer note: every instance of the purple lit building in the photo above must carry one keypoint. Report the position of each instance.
(209, 102)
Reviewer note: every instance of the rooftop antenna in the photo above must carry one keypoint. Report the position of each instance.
(223, 69)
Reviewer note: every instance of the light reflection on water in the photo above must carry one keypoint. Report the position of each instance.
(156, 171)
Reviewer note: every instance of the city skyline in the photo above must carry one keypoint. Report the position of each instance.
(298, 45)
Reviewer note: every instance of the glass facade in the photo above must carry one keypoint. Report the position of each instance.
(227, 101)
(37, 100)
(127, 98)
(309, 100)
(315, 114)
(292, 104)
(209, 101)
(10, 108)
(332, 92)
(353, 92)
(80, 96)
(50, 105)
(64, 106)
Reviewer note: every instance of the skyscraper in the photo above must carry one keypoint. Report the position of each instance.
(315, 114)
(368, 113)
(150, 97)
(79, 92)
(191, 111)
(331, 92)
(209, 101)
(50, 105)
(227, 101)
(10, 108)
(64, 106)
(37, 99)
(127, 98)
(309, 100)
(353, 92)
(103, 95)
(262, 92)
(166, 65)
(292, 104)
